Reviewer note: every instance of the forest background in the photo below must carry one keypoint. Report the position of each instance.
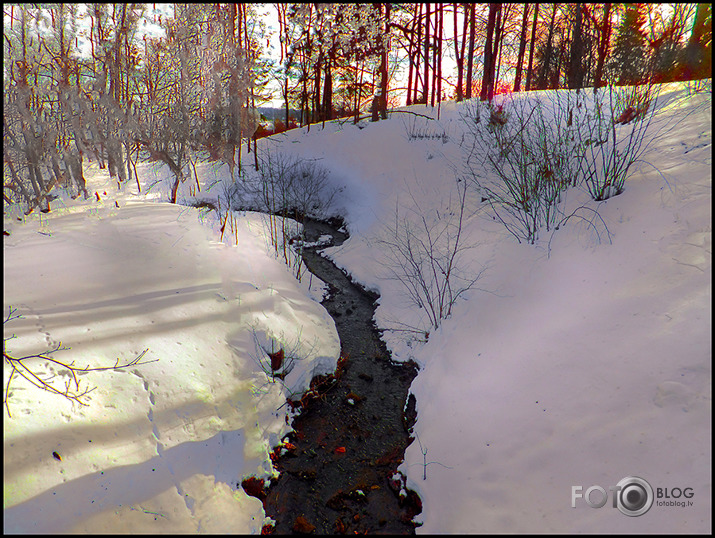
(178, 83)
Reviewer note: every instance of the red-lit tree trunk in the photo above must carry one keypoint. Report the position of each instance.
(411, 60)
(437, 55)
(426, 49)
(603, 45)
(530, 69)
(417, 53)
(522, 48)
(489, 60)
(459, 51)
(470, 57)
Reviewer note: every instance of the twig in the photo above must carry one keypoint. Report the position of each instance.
(10, 316)
(425, 463)
(410, 112)
(596, 214)
(72, 390)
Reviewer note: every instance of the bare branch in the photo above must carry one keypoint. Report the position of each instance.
(423, 252)
(26, 368)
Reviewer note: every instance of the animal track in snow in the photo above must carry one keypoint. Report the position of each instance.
(39, 323)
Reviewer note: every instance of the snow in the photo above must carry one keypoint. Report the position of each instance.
(172, 437)
(576, 362)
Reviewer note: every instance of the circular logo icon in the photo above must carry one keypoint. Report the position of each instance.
(635, 496)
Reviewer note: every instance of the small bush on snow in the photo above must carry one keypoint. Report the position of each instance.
(424, 251)
(611, 135)
(524, 153)
(285, 186)
(518, 157)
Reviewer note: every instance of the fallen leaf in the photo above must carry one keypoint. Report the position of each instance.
(302, 525)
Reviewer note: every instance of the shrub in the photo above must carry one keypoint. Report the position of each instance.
(420, 129)
(522, 155)
(518, 156)
(424, 253)
(285, 187)
(611, 137)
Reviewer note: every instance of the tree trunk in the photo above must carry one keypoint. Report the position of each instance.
(361, 68)
(316, 97)
(522, 48)
(416, 54)
(304, 117)
(327, 93)
(459, 58)
(425, 90)
(698, 63)
(437, 55)
(488, 52)
(576, 71)
(546, 62)
(383, 70)
(470, 58)
(496, 52)
(379, 105)
(554, 81)
(530, 69)
(411, 60)
(603, 45)
(286, 58)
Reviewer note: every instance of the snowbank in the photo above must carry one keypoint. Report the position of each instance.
(161, 447)
(579, 361)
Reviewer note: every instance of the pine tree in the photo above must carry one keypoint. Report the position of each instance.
(699, 52)
(629, 61)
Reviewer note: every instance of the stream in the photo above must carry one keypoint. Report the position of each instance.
(339, 472)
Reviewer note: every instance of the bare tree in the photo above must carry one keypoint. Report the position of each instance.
(425, 253)
(530, 69)
(522, 49)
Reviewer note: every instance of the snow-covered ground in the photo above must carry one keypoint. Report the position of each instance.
(576, 363)
(161, 447)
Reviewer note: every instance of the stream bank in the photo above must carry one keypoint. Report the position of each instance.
(339, 472)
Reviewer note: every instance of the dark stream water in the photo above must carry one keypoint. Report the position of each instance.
(339, 474)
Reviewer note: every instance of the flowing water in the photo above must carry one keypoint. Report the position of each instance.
(339, 472)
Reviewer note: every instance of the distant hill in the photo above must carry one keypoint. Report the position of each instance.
(272, 113)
